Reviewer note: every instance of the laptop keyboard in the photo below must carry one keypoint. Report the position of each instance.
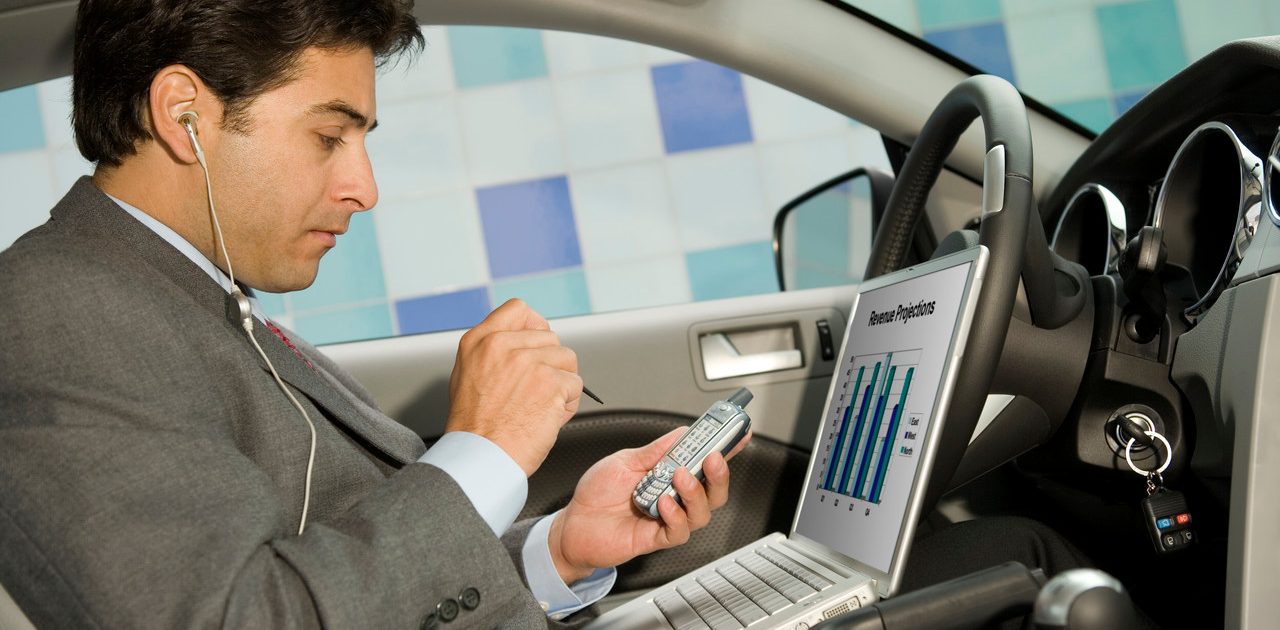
(739, 593)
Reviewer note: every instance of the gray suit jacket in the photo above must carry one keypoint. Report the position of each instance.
(151, 472)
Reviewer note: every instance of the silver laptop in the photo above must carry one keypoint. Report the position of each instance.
(867, 475)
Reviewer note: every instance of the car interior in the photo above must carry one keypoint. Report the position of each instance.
(1129, 321)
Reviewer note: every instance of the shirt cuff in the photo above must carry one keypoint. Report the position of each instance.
(556, 598)
(492, 481)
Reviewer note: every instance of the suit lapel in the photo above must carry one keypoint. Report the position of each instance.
(325, 391)
(86, 210)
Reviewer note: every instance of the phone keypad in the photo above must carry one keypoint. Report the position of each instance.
(695, 439)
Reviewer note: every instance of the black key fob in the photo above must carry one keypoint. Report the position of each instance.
(1168, 520)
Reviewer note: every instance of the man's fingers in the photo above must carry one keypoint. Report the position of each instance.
(558, 357)
(716, 472)
(675, 523)
(512, 340)
(737, 448)
(514, 314)
(647, 456)
(571, 389)
(694, 497)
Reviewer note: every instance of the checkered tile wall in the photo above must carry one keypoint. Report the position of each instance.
(1089, 59)
(584, 174)
(579, 173)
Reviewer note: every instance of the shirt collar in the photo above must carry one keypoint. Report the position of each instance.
(188, 250)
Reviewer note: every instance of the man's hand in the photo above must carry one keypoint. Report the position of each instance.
(601, 528)
(514, 384)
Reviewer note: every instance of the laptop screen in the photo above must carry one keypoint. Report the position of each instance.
(872, 454)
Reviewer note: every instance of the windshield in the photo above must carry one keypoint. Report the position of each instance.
(1090, 60)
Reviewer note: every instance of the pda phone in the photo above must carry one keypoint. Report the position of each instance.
(719, 429)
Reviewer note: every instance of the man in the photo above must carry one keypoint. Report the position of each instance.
(153, 473)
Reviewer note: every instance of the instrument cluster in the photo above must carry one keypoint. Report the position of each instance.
(1222, 181)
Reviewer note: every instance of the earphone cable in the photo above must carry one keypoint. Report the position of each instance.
(247, 324)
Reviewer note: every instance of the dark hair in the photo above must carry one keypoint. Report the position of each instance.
(239, 48)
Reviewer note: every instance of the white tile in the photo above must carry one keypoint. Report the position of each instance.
(430, 72)
(718, 197)
(659, 56)
(653, 282)
(29, 193)
(1208, 25)
(866, 148)
(1272, 10)
(431, 244)
(417, 148)
(573, 53)
(511, 133)
(792, 168)
(1059, 56)
(609, 118)
(624, 214)
(55, 111)
(777, 114)
(68, 166)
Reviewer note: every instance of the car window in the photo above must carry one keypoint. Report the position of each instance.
(580, 173)
(1089, 59)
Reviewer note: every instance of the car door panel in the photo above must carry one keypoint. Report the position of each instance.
(645, 359)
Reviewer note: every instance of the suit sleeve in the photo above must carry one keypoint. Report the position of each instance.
(125, 501)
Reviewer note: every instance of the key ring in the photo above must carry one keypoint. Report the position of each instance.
(1168, 453)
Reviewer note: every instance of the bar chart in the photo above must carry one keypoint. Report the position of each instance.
(872, 409)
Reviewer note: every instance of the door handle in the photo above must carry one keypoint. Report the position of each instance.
(721, 358)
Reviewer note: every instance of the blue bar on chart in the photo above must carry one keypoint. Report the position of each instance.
(852, 452)
(864, 464)
(833, 458)
(877, 484)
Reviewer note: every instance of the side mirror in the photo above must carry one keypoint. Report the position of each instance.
(823, 237)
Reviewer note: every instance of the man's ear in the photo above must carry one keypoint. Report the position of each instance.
(174, 90)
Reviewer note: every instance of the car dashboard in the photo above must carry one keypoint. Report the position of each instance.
(1175, 213)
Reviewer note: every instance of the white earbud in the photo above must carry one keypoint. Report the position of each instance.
(188, 120)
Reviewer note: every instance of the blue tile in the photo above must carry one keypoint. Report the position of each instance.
(561, 294)
(985, 46)
(1143, 42)
(484, 55)
(20, 125)
(447, 311)
(354, 324)
(944, 13)
(1095, 113)
(529, 227)
(701, 105)
(350, 272)
(1126, 100)
(732, 271)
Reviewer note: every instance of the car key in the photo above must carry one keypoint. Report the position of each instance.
(720, 429)
(1168, 519)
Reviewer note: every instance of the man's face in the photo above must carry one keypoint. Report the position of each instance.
(289, 186)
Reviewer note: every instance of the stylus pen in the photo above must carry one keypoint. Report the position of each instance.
(593, 396)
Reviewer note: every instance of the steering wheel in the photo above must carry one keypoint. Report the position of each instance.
(1007, 209)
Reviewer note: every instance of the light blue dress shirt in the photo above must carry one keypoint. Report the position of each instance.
(494, 483)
